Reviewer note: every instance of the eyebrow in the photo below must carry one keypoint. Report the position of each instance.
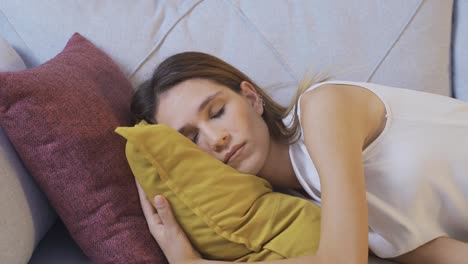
(200, 108)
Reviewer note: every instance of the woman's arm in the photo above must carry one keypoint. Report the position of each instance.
(336, 123)
(442, 250)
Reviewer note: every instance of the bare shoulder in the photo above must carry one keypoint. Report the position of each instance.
(334, 115)
(343, 94)
(360, 109)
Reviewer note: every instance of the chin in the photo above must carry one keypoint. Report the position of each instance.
(251, 162)
(248, 167)
(243, 170)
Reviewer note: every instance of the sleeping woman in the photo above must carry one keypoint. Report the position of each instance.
(388, 166)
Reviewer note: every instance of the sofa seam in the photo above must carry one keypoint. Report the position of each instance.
(275, 52)
(395, 41)
(160, 42)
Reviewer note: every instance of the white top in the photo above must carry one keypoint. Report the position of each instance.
(416, 170)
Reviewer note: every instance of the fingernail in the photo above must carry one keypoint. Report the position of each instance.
(158, 201)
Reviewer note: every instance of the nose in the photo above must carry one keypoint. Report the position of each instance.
(219, 140)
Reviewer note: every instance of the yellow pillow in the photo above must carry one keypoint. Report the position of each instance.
(227, 215)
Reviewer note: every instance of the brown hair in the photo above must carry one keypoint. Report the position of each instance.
(189, 65)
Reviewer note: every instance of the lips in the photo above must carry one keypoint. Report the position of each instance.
(233, 151)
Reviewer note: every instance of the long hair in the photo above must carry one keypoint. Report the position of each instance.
(189, 65)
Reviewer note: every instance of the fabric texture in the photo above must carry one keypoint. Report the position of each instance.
(26, 215)
(226, 214)
(60, 117)
(416, 170)
(399, 43)
(41, 29)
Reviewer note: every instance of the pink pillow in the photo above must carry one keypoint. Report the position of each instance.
(61, 118)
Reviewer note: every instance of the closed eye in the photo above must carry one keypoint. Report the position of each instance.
(195, 139)
(219, 113)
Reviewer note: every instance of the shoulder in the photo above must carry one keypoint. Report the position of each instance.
(337, 93)
(349, 111)
(332, 99)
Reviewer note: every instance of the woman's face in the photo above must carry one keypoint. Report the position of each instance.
(223, 123)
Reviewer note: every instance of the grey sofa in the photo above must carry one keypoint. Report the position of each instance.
(414, 44)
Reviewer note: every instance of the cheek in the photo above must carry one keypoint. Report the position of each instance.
(245, 116)
(250, 125)
(258, 135)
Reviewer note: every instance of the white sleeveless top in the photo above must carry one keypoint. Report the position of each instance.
(416, 170)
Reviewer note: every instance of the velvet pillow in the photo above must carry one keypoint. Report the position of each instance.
(226, 214)
(60, 117)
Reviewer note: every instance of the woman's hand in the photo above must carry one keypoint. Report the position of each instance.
(167, 232)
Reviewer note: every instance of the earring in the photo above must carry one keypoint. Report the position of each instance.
(261, 100)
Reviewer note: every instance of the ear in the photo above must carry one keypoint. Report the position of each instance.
(253, 98)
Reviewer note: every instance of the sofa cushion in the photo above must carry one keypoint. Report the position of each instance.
(227, 215)
(11, 61)
(397, 43)
(60, 117)
(125, 30)
(26, 215)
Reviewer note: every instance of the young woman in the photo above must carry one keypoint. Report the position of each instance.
(388, 166)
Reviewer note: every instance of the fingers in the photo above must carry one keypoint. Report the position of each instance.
(145, 204)
(165, 212)
(165, 228)
(150, 213)
(163, 216)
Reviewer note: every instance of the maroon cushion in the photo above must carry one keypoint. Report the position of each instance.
(61, 118)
